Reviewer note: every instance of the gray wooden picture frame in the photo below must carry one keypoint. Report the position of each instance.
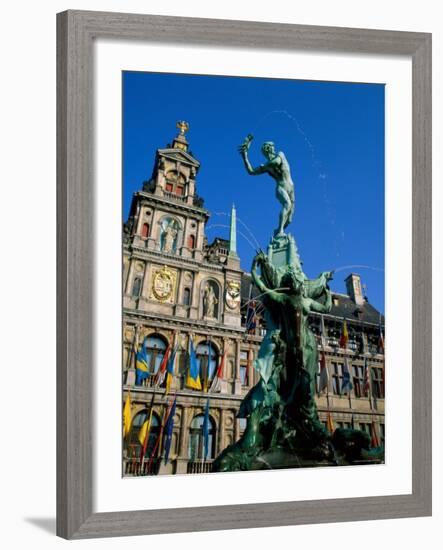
(76, 32)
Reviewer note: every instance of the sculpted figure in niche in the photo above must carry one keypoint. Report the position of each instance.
(209, 301)
(169, 236)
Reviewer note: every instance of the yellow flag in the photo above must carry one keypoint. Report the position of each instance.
(143, 431)
(194, 384)
(330, 424)
(168, 382)
(127, 416)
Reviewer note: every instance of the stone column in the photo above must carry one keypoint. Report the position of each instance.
(184, 245)
(221, 432)
(250, 367)
(145, 284)
(236, 429)
(237, 380)
(183, 439)
(130, 277)
(139, 216)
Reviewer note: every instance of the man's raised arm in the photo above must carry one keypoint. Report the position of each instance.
(243, 148)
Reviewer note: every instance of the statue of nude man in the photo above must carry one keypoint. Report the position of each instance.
(277, 167)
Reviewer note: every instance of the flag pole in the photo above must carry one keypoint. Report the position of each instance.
(145, 443)
(135, 346)
(323, 341)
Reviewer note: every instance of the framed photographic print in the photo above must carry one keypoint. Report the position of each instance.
(244, 274)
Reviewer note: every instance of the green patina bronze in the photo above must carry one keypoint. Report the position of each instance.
(283, 428)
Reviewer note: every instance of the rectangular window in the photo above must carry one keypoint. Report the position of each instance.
(179, 190)
(378, 385)
(243, 375)
(169, 187)
(337, 378)
(244, 367)
(358, 380)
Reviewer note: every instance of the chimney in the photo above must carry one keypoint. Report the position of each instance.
(353, 287)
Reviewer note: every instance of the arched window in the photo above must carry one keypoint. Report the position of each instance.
(133, 445)
(156, 347)
(207, 358)
(145, 230)
(191, 242)
(187, 297)
(137, 287)
(196, 447)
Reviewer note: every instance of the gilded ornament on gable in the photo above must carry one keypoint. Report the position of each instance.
(232, 296)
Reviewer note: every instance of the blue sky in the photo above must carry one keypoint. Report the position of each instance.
(331, 133)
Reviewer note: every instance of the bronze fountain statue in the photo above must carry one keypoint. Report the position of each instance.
(283, 429)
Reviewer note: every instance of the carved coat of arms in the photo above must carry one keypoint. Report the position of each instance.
(232, 296)
(163, 284)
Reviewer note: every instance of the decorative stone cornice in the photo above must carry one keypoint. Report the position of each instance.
(173, 260)
(198, 397)
(188, 325)
(172, 206)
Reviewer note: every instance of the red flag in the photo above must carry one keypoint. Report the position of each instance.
(216, 383)
(381, 342)
(367, 383)
(375, 442)
(160, 376)
(324, 376)
(160, 434)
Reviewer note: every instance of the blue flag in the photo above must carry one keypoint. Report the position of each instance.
(206, 431)
(141, 364)
(168, 431)
(346, 384)
(170, 369)
(193, 377)
(171, 362)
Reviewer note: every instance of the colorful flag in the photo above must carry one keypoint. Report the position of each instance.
(367, 382)
(204, 370)
(330, 424)
(375, 441)
(323, 380)
(143, 434)
(169, 427)
(161, 373)
(206, 422)
(158, 439)
(361, 343)
(323, 331)
(346, 385)
(344, 338)
(141, 363)
(170, 370)
(216, 383)
(127, 419)
(193, 375)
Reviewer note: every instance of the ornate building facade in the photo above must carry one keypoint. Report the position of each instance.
(179, 288)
